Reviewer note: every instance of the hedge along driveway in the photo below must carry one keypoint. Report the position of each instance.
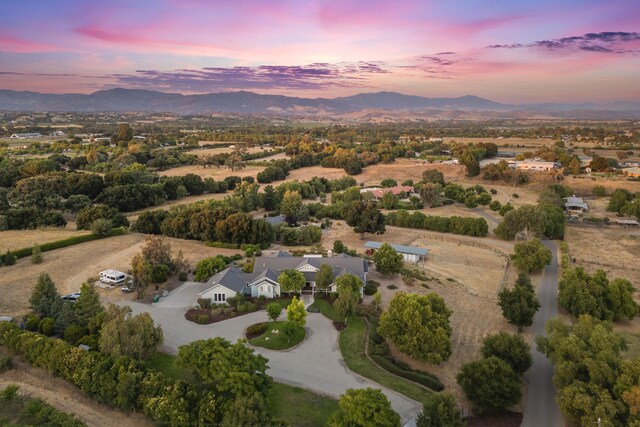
(352, 346)
(316, 364)
(25, 252)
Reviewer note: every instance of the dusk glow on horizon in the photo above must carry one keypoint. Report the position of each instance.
(508, 51)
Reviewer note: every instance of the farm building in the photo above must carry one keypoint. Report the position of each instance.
(632, 172)
(575, 205)
(535, 165)
(377, 193)
(628, 222)
(410, 254)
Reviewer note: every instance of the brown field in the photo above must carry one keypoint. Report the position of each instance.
(18, 239)
(65, 397)
(211, 151)
(69, 267)
(477, 269)
(583, 185)
(216, 173)
(614, 250)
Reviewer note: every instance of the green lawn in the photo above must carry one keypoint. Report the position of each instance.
(352, 340)
(297, 406)
(166, 364)
(278, 341)
(300, 407)
(326, 309)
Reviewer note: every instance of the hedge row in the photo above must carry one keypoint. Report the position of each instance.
(424, 378)
(121, 382)
(454, 224)
(25, 252)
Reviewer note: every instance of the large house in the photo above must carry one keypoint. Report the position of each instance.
(263, 282)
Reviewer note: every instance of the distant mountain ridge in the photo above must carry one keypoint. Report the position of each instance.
(136, 100)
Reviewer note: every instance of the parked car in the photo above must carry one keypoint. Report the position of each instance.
(72, 297)
(127, 288)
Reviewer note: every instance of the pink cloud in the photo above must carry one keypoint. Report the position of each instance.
(10, 43)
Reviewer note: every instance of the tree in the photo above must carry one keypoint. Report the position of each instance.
(36, 254)
(141, 272)
(589, 372)
(324, 277)
(433, 176)
(101, 227)
(541, 220)
(296, 312)
(291, 280)
(618, 200)
(364, 408)
(599, 164)
(229, 370)
(389, 201)
(44, 295)
(156, 250)
(388, 260)
(124, 133)
(520, 304)
(490, 384)
(440, 410)
(531, 255)
(273, 310)
(365, 217)
(388, 182)
(292, 208)
(125, 335)
(419, 326)
(511, 348)
(339, 247)
(581, 293)
(348, 287)
(377, 299)
(88, 304)
(207, 267)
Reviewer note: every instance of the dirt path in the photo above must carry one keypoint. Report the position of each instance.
(65, 397)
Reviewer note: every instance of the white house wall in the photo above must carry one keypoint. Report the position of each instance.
(218, 289)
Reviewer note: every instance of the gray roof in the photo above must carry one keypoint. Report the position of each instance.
(575, 202)
(270, 267)
(412, 250)
(279, 263)
(275, 220)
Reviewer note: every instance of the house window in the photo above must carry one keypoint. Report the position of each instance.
(219, 297)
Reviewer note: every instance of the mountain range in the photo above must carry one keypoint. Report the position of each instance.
(134, 100)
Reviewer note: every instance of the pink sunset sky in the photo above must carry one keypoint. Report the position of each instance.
(506, 50)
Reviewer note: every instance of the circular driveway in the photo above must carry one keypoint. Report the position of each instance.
(316, 364)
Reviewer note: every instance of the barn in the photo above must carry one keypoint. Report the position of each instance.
(410, 254)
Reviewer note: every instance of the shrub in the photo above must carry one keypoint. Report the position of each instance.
(426, 379)
(101, 227)
(183, 276)
(32, 323)
(73, 334)
(242, 308)
(5, 363)
(370, 289)
(392, 287)
(202, 319)
(36, 254)
(257, 329)
(204, 303)
(47, 326)
(10, 392)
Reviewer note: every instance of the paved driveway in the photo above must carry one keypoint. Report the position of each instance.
(541, 408)
(316, 364)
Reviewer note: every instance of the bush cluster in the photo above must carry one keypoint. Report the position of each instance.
(454, 224)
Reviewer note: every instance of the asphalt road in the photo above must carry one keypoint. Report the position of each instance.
(541, 409)
(316, 364)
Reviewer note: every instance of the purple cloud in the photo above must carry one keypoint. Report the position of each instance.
(608, 41)
(311, 76)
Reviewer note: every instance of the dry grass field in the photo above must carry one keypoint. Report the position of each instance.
(211, 151)
(614, 250)
(216, 173)
(70, 267)
(477, 269)
(584, 184)
(18, 239)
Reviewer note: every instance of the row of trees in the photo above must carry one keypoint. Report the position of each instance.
(453, 224)
(232, 380)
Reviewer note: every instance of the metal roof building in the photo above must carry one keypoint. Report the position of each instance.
(411, 254)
